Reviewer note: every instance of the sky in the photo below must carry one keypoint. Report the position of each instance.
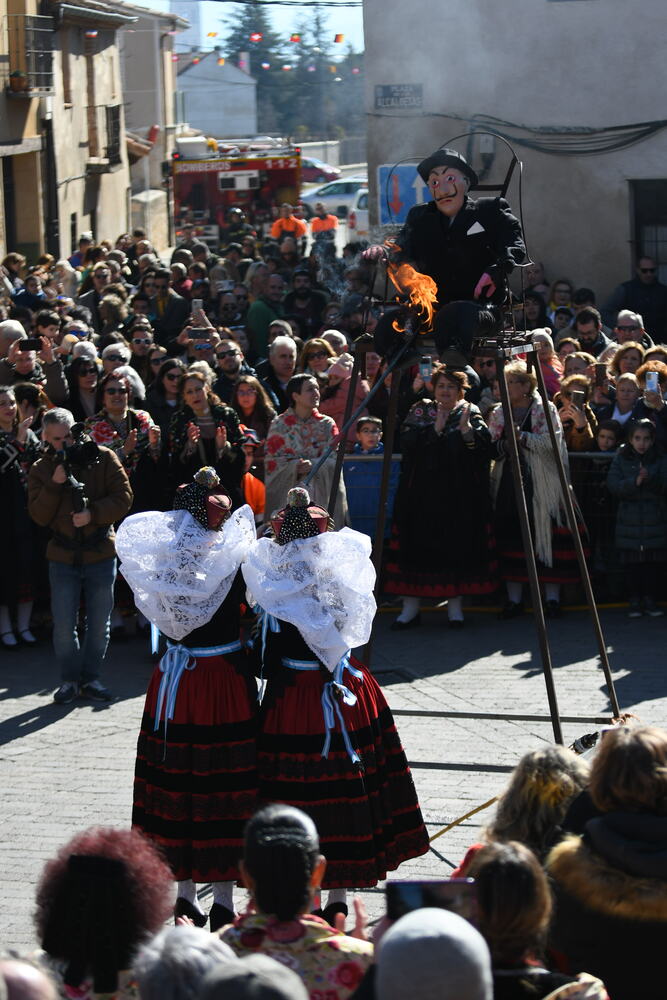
(347, 21)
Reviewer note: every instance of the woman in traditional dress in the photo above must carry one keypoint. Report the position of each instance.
(554, 546)
(442, 544)
(195, 780)
(327, 741)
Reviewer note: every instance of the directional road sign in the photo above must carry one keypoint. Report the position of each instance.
(399, 188)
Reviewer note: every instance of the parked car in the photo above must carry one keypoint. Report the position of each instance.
(314, 171)
(357, 217)
(337, 197)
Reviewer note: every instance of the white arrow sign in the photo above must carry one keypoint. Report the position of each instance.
(419, 187)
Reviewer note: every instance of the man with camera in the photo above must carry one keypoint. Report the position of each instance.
(78, 490)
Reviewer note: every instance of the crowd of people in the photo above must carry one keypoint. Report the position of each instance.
(562, 898)
(242, 360)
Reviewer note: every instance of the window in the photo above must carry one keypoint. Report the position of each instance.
(649, 199)
(113, 135)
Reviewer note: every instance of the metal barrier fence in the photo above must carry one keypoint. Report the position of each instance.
(588, 476)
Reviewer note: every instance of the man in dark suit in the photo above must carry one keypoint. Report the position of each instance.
(171, 310)
(101, 276)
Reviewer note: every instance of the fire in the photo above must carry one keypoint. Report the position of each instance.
(420, 289)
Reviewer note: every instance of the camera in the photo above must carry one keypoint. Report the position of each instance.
(82, 453)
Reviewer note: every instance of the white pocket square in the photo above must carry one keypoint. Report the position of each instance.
(475, 228)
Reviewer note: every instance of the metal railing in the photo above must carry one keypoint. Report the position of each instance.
(30, 54)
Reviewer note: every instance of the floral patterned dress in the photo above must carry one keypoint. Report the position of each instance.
(143, 465)
(291, 438)
(330, 963)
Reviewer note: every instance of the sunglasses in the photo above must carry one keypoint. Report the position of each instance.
(648, 270)
(227, 354)
(202, 347)
(157, 361)
(87, 371)
(141, 340)
(318, 355)
(79, 333)
(114, 357)
(628, 328)
(116, 392)
(102, 274)
(172, 378)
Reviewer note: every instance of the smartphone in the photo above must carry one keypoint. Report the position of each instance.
(198, 332)
(578, 398)
(456, 894)
(31, 344)
(600, 373)
(652, 382)
(425, 368)
(196, 305)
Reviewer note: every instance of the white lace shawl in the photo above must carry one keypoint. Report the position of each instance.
(322, 585)
(179, 572)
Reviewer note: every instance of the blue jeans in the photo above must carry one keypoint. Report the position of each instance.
(81, 662)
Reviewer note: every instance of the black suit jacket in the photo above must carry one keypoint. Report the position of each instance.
(483, 235)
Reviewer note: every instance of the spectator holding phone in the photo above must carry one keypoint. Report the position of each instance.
(34, 359)
(638, 477)
(204, 431)
(578, 420)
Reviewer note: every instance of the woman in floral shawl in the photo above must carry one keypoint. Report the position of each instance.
(135, 439)
(296, 440)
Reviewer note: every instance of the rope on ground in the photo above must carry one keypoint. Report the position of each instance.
(484, 805)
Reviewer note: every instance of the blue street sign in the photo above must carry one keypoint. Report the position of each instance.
(399, 188)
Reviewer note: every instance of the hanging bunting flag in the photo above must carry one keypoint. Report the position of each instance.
(339, 38)
(295, 38)
(266, 65)
(256, 36)
(174, 57)
(333, 69)
(91, 34)
(195, 60)
(355, 69)
(287, 68)
(212, 34)
(311, 69)
(221, 60)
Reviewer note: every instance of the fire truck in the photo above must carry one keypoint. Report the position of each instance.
(210, 176)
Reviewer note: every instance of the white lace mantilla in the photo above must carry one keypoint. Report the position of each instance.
(322, 585)
(179, 572)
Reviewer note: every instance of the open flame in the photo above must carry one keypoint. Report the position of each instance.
(420, 289)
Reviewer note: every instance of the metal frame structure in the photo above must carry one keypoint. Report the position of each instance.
(502, 348)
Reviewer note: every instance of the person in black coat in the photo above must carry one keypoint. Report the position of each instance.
(468, 247)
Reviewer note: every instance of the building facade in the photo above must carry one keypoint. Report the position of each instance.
(575, 85)
(218, 98)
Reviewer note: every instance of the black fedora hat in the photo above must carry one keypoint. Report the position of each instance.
(446, 157)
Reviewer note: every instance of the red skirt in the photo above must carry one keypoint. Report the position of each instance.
(448, 581)
(195, 788)
(367, 814)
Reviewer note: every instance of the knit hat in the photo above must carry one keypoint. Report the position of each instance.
(253, 977)
(342, 366)
(433, 954)
(249, 436)
(300, 518)
(447, 158)
(202, 498)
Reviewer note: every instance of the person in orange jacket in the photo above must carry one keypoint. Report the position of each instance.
(287, 224)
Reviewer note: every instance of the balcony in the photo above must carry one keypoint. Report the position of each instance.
(103, 138)
(30, 56)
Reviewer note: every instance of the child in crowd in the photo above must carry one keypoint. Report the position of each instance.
(608, 436)
(254, 490)
(638, 478)
(369, 436)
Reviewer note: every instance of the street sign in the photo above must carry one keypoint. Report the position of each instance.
(399, 95)
(399, 188)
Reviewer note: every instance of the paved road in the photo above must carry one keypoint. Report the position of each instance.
(63, 768)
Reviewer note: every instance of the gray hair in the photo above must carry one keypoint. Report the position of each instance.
(134, 378)
(58, 416)
(172, 965)
(629, 314)
(337, 339)
(204, 369)
(282, 342)
(120, 349)
(11, 330)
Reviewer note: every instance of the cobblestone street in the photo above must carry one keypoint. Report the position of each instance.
(64, 768)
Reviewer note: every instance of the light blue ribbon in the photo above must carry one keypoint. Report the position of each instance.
(333, 692)
(155, 639)
(175, 661)
(265, 622)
